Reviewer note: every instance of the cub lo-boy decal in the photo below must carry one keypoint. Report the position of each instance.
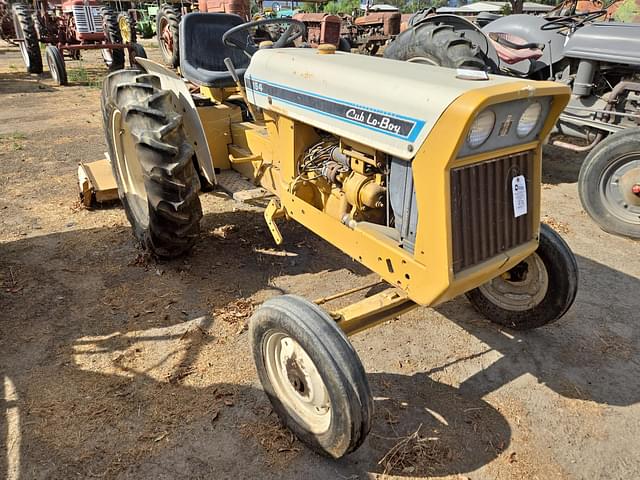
(391, 124)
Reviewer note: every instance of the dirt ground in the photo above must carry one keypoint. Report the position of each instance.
(114, 365)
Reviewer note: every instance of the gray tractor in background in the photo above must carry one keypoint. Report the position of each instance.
(600, 61)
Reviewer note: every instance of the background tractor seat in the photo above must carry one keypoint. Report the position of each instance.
(513, 49)
(202, 52)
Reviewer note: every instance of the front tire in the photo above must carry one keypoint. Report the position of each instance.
(167, 29)
(152, 162)
(29, 47)
(311, 374)
(536, 292)
(434, 44)
(609, 183)
(55, 62)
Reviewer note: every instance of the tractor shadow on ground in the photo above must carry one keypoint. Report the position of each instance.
(101, 348)
(592, 353)
(21, 82)
(560, 165)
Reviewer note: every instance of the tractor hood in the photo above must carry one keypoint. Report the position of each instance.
(387, 104)
(606, 42)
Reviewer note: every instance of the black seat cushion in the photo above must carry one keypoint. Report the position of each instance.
(202, 52)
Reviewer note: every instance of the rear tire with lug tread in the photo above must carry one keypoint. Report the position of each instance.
(311, 374)
(608, 177)
(168, 31)
(435, 44)
(55, 62)
(25, 30)
(536, 292)
(152, 162)
(113, 58)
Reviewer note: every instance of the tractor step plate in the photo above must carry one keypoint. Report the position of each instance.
(240, 189)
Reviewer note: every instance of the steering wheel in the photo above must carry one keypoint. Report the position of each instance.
(239, 37)
(573, 21)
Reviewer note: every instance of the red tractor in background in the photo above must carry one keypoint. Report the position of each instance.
(367, 33)
(67, 28)
(323, 28)
(168, 22)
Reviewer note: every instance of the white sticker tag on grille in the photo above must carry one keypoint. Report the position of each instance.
(519, 190)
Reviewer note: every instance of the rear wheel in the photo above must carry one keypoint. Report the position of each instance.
(311, 374)
(609, 183)
(29, 45)
(152, 162)
(113, 57)
(127, 27)
(537, 291)
(435, 45)
(168, 23)
(55, 62)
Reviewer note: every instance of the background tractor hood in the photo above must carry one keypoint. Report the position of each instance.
(387, 104)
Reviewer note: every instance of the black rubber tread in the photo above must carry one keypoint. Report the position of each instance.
(440, 43)
(170, 180)
(22, 18)
(336, 361)
(593, 167)
(7, 30)
(138, 52)
(562, 271)
(173, 17)
(112, 34)
(131, 24)
(55, 62)
(344, 45)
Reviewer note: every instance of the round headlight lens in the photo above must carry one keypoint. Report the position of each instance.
(481, 128)
(529, 119)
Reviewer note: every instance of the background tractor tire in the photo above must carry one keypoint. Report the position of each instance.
(25, 30)
(127, 27)
(311, 374)
(138, 51)
(152, 162)
(55, 62)
(168, 30)
(554, 264)
(435, 45)
(608, 177)
(113, 58)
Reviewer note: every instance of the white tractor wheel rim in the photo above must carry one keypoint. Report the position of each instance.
(296, 381)
(129, 169)
(522, 294)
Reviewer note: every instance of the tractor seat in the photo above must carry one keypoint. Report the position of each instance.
(202, 52)
(513, 49)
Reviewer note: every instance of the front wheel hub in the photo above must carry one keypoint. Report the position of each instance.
(636, 189)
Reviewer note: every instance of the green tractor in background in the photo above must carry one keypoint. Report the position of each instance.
(146, 23)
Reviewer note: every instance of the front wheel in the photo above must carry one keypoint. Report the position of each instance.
(609, 183)
(311, 374)
(152, 162)
(537, 291)
(55, 62)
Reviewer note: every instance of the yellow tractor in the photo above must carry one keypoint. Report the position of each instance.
(432, 184)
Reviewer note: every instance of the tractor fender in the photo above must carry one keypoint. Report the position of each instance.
(529, 28)
(470, 30)
(190, 118)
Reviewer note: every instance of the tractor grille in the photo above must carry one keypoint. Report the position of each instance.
(88, 19)
(331, 33)
(482, 215)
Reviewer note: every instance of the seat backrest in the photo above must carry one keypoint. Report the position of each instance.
(201, 46)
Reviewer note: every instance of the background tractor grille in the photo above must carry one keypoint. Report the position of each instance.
(88, 19)
(482, 218)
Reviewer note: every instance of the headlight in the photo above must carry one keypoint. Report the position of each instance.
(481, 128)
(529, 119)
